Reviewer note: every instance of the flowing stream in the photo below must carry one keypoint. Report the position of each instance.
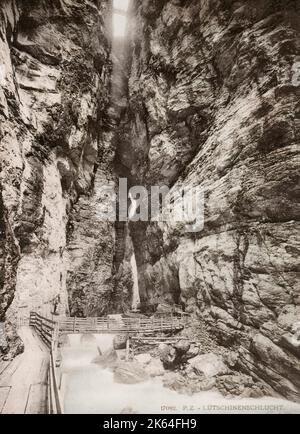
(136, 293)
(89, 389)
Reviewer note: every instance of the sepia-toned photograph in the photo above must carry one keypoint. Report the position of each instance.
(149, 209)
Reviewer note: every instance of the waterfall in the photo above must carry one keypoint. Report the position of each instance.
(120, 8)
(136, 293)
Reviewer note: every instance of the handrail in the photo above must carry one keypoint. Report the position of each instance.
(46, 326)
(54, 399)
(40, 324)
(49, 329)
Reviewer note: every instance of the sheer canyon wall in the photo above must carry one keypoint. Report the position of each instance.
(54, 152)
(205, 93)
(213, 101)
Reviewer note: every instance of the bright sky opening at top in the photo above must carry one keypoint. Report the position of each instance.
(119, 19)
(121, 5)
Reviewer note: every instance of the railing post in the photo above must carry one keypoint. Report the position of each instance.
(74, 324)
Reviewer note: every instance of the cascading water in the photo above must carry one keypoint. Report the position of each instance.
(78, 355)
(135, 292)
(88, 388)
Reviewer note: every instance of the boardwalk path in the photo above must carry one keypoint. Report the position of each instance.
(23, 383)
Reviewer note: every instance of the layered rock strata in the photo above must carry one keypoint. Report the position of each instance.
(54, 90)
(213, 100)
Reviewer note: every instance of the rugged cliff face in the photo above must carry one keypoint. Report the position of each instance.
(213, 101)
(205, 94)
(55, 81)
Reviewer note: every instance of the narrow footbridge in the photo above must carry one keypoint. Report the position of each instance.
(133, 326)
(31, 382)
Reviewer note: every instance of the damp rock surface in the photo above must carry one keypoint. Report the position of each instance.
(202, 93)
(213, 101)
(54, 59)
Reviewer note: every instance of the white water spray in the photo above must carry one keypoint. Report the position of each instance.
(135, 293)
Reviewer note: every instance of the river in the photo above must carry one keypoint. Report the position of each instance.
(89, 389)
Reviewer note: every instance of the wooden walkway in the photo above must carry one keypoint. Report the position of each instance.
(28, 384)
(23, 382)
(46, 326)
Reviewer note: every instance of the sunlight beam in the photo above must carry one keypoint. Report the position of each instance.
(121, 5)
(119, 25)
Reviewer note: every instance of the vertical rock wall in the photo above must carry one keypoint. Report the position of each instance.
(54, 89)
(214, 101)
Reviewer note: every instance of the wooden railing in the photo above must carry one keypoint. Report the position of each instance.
(46, 326)
(128, 325)
(54, 399)
(48, 331)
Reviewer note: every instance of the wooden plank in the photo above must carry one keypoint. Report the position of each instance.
(26, 370)
(4, 392)
(10, 371)
(37, 399)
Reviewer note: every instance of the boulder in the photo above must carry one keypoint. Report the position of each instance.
(207, 384)
(192, 352)
(190, 373)
(168, 355)
(291, 343)
(240, 385)
(187, 386)
(130, 373)
(162, 348)
(209, 364)
(231, 359)
(119, 342)
(174, 381)
(182, 346)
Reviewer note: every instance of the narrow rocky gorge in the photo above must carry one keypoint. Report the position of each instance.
(200, 93)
